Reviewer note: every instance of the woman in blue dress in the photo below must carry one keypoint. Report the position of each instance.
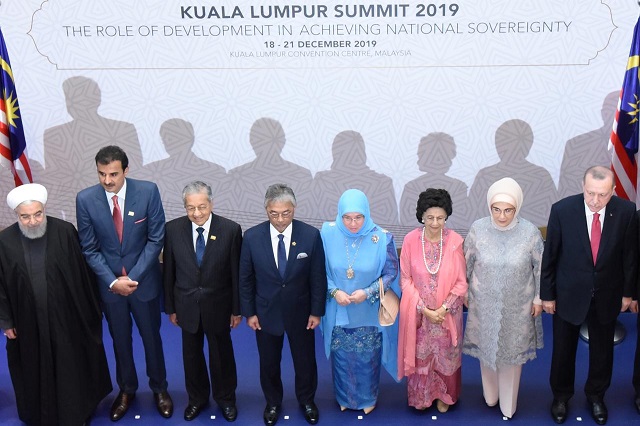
(358, 253)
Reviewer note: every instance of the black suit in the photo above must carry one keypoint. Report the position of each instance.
(636, 365)
(284, 304)
(584, 291)
(203, 299)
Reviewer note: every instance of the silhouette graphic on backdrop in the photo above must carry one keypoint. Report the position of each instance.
(174, 173)
(514, 139)
(69, 149)
(436, 152)
(349, 170)
(588, 149)
(249, 182)
(7, 216)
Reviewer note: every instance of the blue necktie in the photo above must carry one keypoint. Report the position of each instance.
(282, 256)
(199, 245)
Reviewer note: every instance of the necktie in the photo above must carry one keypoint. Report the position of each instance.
(596, 233)
(199, 245)
(282, 256)
(117, 217)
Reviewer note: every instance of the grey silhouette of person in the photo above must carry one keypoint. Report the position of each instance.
(249, 182)
(7, 216)
(514, 140)
(588, 149)
(349, 170)
(174, 173)
(69, 148)
(436, 152)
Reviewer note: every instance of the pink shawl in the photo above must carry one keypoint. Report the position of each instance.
(451, 279)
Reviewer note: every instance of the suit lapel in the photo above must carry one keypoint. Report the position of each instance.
(104, 213)
(185, 241)
(581, 223)
(607, 228)
(213, 232)
(129, 206)
(293, 247)
(268, 248)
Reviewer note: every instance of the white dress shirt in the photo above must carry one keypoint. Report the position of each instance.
(274, 240)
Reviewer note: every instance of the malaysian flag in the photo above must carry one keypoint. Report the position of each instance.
(623, 143)
(13, 147)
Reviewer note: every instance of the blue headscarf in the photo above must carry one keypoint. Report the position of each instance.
(354, 201)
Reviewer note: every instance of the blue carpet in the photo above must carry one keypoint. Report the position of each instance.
(533, 404)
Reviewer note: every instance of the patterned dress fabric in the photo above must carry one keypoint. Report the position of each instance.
(503, 270)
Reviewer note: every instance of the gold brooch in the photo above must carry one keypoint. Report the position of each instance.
(293, 243)
(375, 239)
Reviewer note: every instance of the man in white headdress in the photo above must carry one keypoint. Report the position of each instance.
(50, 315)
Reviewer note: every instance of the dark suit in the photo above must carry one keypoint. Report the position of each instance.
(584, 291)
(143, 236)
(203, 299)
(284, 304)
(636, 364)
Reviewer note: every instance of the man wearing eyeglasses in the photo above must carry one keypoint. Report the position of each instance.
(589, 268)
(201, 258)
(283, 286)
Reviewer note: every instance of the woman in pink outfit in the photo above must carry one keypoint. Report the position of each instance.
(433, 281)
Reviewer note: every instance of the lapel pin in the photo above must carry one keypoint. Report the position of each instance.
(131, 213)
(293, 243)
(375, 239)
(213, 237)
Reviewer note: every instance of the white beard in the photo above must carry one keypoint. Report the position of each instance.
(34, 233)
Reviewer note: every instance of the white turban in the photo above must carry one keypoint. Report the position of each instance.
(27, 192)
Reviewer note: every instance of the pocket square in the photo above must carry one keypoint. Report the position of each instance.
(301, 256)
(141, 220)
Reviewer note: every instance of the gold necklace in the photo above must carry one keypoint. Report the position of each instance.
(424, 254)
(350, 262)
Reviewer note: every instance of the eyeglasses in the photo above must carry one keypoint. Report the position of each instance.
(507, 212)
(353, 219)
(285, 214)
(192, 209)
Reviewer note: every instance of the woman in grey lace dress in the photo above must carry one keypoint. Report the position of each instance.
(504, 328)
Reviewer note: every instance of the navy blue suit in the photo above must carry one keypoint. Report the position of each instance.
(587, 292)
(142, 241)
(284, 304)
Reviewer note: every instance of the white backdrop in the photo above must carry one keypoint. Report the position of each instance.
(389, 74)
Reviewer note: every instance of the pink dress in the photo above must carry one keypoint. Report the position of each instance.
(430, 354)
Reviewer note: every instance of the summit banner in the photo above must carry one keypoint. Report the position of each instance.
(329, 34)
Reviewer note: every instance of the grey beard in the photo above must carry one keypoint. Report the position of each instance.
(34, 233)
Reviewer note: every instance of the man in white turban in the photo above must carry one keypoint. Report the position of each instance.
(50, 315)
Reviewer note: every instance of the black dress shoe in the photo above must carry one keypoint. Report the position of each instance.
(599, 412)
(164, 404)
(311, 413)
(271, 414)
(121, 405)
(559, 411)
(637, 401)
(230, 413)
(191, 412)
